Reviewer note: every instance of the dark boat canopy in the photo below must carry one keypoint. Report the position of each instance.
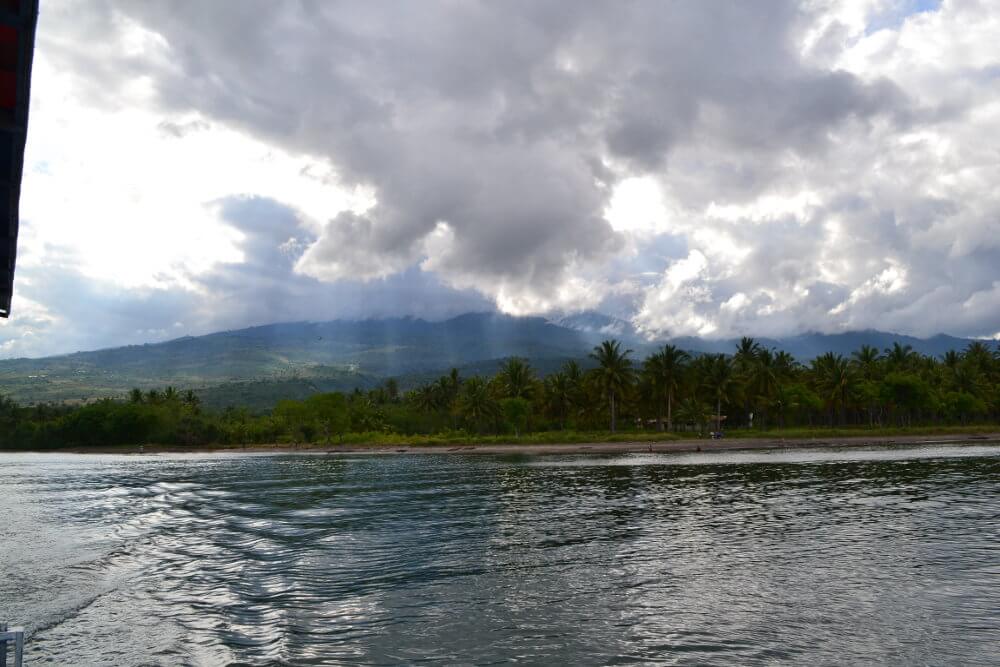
(17, 43)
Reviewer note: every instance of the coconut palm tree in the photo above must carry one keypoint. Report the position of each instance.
(665, 371)
(392, 390)
(867, 364)
(651, 386)
(785, 364)
(764, 380)
(476, 402)
(743, 360)
(866, 361)
(560, 396)
(967, 378)
(577, 381)
(444, 392)
(454, 383)
(834, 377)
(979, 355)
(190, 399)
(614, 373)
(425, 398)
(691, 411)
(720, 381)
(571, 369)
(517, 378)
(746, 350)
(900, 357)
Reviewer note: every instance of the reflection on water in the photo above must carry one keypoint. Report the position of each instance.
(855, 556)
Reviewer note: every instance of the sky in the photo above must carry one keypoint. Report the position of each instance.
(710, 169)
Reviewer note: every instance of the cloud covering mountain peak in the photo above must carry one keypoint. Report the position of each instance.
(701, 169)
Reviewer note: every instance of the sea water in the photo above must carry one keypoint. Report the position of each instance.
(825, 557)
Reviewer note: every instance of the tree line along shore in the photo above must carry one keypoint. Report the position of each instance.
(755, 391)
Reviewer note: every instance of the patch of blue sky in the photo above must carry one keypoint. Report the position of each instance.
(658, 253)
(898, 12)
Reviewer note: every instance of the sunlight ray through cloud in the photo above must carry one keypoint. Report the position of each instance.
(547, 160)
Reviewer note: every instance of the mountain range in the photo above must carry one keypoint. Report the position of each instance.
(257, 365)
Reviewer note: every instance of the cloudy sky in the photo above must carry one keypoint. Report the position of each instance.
(701, 168)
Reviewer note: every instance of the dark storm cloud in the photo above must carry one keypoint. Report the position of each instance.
(492, 135)
(490, 116)
(261, 289)
(265, 288)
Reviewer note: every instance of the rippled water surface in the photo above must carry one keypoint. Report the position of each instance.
(834, 557)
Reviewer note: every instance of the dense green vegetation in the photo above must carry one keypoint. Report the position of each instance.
(258, 366)
(670, 391)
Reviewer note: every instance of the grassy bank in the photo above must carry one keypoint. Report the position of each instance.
(861, 432)
(587, 437)
(768, 438)
(538, 437)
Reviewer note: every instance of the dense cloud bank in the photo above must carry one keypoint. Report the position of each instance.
(701, 168)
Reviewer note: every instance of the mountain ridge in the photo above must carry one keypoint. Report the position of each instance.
(342, 352)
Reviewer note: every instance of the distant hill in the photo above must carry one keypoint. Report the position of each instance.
(803, 347)
(345, 353)
(808, 346)
(257, 364)
(601, 325)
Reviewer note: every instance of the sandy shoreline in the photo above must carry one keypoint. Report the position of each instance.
(693, 445)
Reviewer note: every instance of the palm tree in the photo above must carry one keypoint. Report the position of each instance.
(900, 357)
(425, 398)
(692, 411)
(517, 378)
(379, 396)
(665, 369)
(476, 403)
(785, 369)
(866, 360)
(743, 360)
(365, 415)
(575, 378)
(834, 378)
(572, 371)
(966, 378)
(764, 380)
(392, 389)
(785, 364)
(978, 354)
(191, 399)
(720, 380)
(614, 374)
(651, 386)
(867, 363)
(746, 350)
(454, 383)
(444, 392)
(559, 396)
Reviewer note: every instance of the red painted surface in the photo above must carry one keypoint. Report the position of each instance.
(8, 67)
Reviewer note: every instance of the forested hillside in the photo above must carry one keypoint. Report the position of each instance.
(257, 366)
(612, 390)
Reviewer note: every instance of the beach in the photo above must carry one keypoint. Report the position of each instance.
(665, 446)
